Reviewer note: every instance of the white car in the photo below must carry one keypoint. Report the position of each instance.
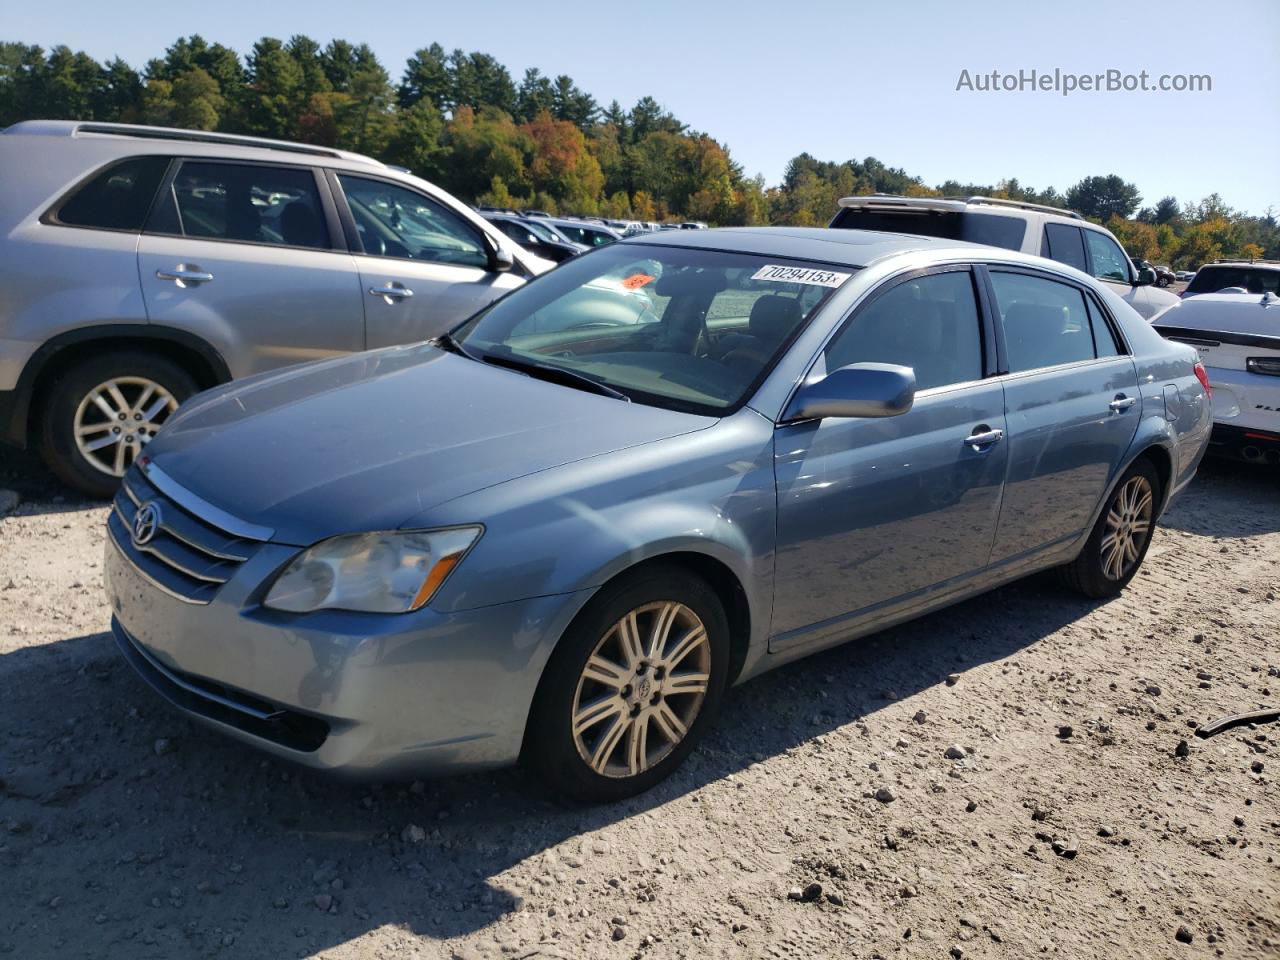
(1238, 336)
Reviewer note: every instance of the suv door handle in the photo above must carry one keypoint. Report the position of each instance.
(185, 274)
(391, 292)
(984, 436)
(1122, 403)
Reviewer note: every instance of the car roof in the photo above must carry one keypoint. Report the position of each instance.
(852, 248)
(147, 139)
(1236, 264)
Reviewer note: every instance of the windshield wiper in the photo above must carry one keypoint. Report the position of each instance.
(453, 345)
(546, 371)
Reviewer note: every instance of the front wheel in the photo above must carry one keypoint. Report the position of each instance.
(631, 687)
(1119, 541)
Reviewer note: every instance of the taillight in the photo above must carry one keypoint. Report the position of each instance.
(1267, 366)
(1203, 377)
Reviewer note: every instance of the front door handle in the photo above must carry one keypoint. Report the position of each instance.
(185, 275)
(984, 436)
(391, 292)
(1122, 403)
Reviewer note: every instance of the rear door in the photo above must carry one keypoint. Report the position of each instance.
(249, 257)
(423, 268)
(1072, 406)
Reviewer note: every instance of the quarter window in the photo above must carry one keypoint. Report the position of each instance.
(250, 203)
(1104, 340)
(929, 323)
(393, 221)
(1046, 323)
(117, 198)
(1109, 261)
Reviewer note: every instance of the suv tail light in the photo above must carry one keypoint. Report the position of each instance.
(1203, 377)
(1268, 366)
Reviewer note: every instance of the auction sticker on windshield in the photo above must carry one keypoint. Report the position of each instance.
(781, 274)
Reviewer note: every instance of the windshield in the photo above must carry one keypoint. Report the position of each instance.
(1210, 279)
(676, 327)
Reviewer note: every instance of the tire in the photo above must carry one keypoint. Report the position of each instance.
(1097, 572)
(150, 386)
(580, 765)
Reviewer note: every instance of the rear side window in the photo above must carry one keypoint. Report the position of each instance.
(1211, 279)
(1064, 244)
(991, 229)
(250, 203)
(1045, 322)
(929, 323)
(1109, 261)
(118, 198)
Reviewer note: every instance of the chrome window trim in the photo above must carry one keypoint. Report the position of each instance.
(202, 508)
(1073, 365)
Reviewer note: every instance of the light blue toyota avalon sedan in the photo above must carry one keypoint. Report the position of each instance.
(562, 532)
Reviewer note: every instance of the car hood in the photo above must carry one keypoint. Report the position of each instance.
(368, 441)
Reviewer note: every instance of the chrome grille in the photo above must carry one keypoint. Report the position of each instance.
(187, 557)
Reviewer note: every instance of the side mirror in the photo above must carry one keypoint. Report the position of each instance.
(1146, 277)
(858, 390)
(501, 259)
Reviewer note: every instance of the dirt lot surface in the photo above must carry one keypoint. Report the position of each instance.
(1035, 796)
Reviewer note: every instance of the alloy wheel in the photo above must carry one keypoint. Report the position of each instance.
(641, 689)
(117, 418)
(1128, 524)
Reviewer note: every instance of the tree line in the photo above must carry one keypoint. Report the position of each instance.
(463, 121)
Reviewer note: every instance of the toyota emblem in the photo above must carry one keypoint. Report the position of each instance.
(145, 523)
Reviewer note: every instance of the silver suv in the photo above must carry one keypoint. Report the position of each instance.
(139, 265)
(1051, 232)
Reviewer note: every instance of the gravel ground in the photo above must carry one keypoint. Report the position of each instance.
(1006, 779)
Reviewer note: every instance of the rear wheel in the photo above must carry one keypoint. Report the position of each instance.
(631, 688)
(1120, 538)
(101, 414)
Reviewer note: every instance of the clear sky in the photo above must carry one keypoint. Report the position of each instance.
(837, 78)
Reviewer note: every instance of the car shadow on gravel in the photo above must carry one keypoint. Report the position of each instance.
(1210, 507)
(152, 836)
(38, 490)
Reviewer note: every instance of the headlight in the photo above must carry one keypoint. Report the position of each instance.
(371, 572)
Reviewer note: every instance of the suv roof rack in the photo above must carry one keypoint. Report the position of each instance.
(1244, 260)
(952, 203)
(204, 136)
(1021, 204)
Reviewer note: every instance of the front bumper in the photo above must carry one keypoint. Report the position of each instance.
(363, 695)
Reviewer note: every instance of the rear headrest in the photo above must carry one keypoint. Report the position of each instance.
(1035, 331)
(300, 225)
(774, 317)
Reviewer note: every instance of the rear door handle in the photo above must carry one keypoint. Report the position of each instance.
(1122, 403)
(984, 436)
(185, 274)
(391, 292)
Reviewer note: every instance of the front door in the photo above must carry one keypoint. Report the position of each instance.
(423, 268)
(870, 510)
(1073, 406)
(241, 254)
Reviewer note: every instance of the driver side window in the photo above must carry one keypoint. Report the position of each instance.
(929, 323)
(394, 221)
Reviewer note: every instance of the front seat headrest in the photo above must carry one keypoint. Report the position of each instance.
(773, 317)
